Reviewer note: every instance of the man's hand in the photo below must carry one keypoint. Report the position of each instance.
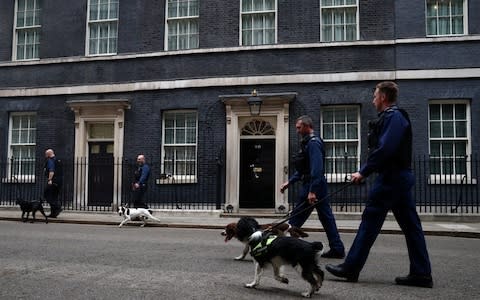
(356, 177)
(312, 198)
(283, 187)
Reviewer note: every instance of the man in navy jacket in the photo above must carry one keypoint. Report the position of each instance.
(390, 155)
(139, 186)
(310, 169)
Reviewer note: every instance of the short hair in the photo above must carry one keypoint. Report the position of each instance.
(306, 120)
(389, 89)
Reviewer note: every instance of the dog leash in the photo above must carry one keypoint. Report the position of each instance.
(289, 216)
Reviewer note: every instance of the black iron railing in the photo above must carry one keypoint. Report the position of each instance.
(84, 187)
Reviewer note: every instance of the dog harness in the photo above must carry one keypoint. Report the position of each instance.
(261, 248)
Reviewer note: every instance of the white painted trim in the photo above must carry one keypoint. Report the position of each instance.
(91, 112)
(75, 59)
(236, 115)
(242, 81)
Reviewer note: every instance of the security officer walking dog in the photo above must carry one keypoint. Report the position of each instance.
(390, 146)
(310, 169)
(54, 173)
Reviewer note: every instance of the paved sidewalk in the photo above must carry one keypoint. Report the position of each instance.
(447, 225)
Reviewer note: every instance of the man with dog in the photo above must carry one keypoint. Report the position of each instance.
(139, 185)
(310, 169)
(390, 156)
(54, 173)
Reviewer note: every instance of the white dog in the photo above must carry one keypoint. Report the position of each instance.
(135, 214)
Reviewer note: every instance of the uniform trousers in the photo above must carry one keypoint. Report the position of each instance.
(391, 191)
(325, 215)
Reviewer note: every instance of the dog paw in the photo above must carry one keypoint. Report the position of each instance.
(250, 285)
(307, 295)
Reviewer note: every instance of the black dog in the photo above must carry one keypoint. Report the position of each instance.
(31, 206)
(279, 251)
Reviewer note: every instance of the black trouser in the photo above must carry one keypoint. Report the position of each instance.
(138, 197)
(51, 196)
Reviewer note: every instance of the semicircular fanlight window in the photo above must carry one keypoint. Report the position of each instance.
(258, 127)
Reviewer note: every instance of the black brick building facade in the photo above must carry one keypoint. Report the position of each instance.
(68, 90)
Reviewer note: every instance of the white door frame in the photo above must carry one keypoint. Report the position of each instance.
(97, 111)
(275, 109)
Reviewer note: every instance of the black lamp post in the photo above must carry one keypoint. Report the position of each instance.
(255, 103)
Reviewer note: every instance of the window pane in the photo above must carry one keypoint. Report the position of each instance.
(447, 149)
(351, 115)
(246, 5)
(435, 130)
(328, 116)
(352, 149)
(352, 131)
(460, 112)
(269, 4)
(435, 148)
(460, 148)
(461, 129)
(447, 112)
(339, 115)
(448, 129)
(328, 131)
(434, 112)
(258, 5)
(339, 131)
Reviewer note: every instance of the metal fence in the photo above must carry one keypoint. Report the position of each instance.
(433, 192)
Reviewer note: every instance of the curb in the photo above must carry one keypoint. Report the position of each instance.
(458, 234)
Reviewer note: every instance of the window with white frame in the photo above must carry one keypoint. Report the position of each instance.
(102, 32)
(180, 144)
(449, 134)
(182, 24)
(446, 17)
(258, 22)
(340, 133)
(21, 145)
(339, 20)
(27, 29)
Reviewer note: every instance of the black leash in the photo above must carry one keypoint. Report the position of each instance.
(288, 216)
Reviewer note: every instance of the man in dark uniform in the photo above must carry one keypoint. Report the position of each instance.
(390, 143)
(53, 172)
(139, 185)
(310, 169)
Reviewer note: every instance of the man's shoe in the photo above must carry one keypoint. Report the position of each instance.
(341, 271)
(415, 280)
(333, 254)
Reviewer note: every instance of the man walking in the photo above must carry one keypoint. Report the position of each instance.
(54, 173)
(310, 169)
(390, 155)
(139, 186)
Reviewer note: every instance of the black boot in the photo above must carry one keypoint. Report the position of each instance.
(415, 280)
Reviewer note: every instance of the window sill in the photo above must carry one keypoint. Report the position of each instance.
(446, 179)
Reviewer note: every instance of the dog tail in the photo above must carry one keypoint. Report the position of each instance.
(318, 246)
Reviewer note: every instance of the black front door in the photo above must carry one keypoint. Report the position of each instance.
(100, 173)
(257, 173)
